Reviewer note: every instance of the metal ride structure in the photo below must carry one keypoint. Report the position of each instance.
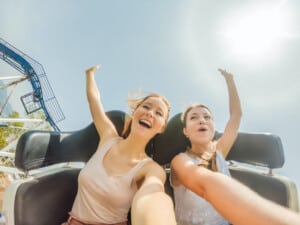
(42, 96)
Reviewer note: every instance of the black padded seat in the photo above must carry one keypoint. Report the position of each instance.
(36, 149)
(46, 200)
(277, 188)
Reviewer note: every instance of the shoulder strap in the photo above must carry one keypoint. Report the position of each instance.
(222, 164)
(140, 164)
(107, 145)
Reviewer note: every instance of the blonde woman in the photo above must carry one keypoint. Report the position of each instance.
(120, 175)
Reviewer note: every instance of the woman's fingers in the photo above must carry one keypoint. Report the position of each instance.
(224, 72)
(93, 69)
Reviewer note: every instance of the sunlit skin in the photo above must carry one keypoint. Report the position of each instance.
(234, 201)
(200, 129)
(148, 119)
(199, 124)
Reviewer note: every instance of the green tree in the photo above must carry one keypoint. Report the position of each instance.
(16, 129)
(3, 141)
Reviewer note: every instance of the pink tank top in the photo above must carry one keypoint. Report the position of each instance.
(102, 198)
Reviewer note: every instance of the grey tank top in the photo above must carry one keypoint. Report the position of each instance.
(190, 208)
(102, 198)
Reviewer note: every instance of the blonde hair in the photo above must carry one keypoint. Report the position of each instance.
(134, 103)
(189, 108)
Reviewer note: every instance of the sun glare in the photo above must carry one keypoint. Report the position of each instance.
(255, 34)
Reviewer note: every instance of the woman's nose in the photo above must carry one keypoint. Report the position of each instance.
(150, 113)
(201, 120)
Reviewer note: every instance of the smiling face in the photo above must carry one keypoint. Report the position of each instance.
(150, 116)
(199, 125)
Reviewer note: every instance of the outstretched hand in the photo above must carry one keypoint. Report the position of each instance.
(92, 69)
(225, 73)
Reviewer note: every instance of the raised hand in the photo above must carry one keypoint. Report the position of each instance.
(92, 69)
(225, 73)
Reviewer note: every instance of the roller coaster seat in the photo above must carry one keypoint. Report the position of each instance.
(46, 194)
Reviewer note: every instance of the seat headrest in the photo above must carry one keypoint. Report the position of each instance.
(37, 149)
(171, 142)
(261, 149)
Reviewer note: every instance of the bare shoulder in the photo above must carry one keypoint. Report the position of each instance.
(176, 163)
(151, 170)
(183, 169)
(180, 160)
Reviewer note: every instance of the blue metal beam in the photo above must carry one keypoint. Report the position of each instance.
(21, 62)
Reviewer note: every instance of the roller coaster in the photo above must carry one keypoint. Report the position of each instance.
(42, 96)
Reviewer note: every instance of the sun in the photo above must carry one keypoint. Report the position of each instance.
(255, 34)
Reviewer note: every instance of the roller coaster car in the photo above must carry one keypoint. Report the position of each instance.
(45, 195)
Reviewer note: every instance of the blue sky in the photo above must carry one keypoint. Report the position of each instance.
(170, 47)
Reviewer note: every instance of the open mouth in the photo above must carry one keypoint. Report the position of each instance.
(202, 129)
(145, 123)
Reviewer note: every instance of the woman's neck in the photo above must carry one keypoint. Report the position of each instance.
(200, 148)
(134, 146)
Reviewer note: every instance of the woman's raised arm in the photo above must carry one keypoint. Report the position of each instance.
(104, 126)
(226, 141)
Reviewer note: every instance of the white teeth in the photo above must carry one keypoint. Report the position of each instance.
(147, 123)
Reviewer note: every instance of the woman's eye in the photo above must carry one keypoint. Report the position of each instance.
(159, 113)
(207, 117)
(146, 107)
(193, 117)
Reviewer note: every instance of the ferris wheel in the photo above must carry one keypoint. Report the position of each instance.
(40, 97)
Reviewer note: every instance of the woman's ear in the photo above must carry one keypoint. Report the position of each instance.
(132, 112)
(185, 132)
